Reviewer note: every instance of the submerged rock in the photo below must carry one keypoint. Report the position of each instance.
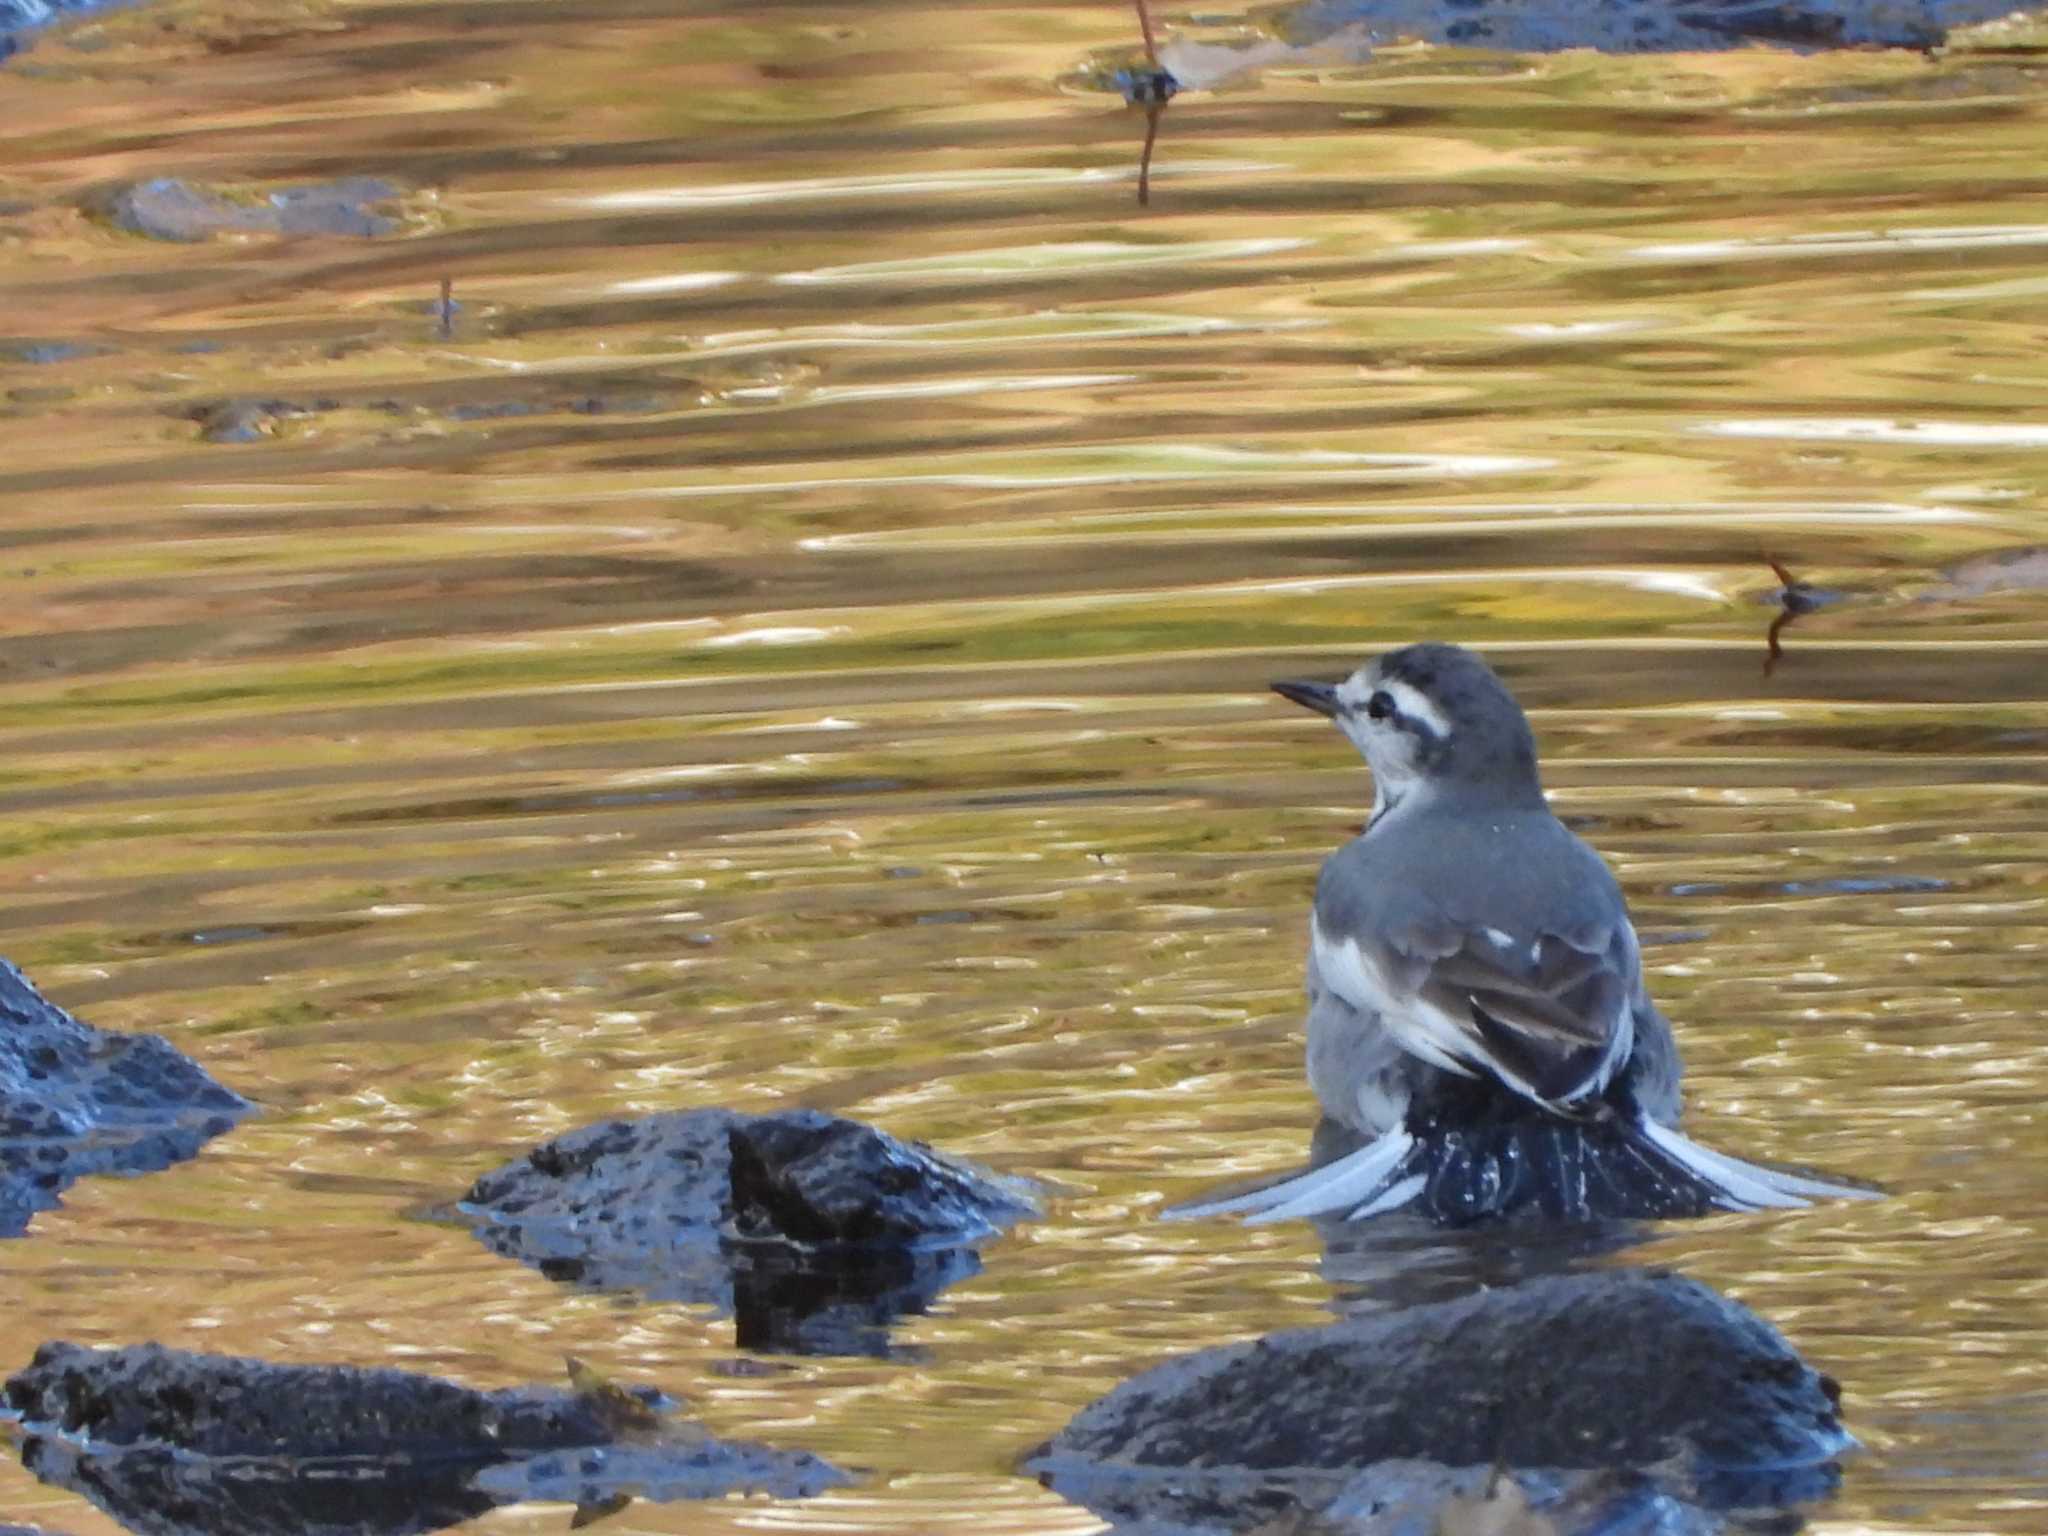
(75, 1100)
(1426, 1499)
(2007, 570)
(1646, 26)
(816, 1232)
(172, 1442)
(1629, 1373)
(169, 208)
(44, 354)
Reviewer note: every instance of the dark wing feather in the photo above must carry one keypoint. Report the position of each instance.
(1547, 1017)
(1549, 1010)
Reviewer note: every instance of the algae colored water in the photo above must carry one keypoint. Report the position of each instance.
(792, 629)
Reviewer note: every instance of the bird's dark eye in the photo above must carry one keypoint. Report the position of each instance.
(1380, 705)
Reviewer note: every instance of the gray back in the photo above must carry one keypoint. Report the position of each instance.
(1518, 870)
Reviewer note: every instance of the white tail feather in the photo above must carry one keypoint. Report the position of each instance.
(1354, 1179)
(1370, 1182)
(1746, 1186)
(1396, 1195)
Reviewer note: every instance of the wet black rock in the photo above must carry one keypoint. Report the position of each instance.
(1624, 1372)
(176, 1443)
(168, 208)
(75, 1101)
(815, 1231)
(814, 1178)
(624, 1205)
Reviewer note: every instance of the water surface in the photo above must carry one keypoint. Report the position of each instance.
(799, 635)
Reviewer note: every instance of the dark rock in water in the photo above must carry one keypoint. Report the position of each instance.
(816, 1232)
(815, 1178)
(75, 1101)
(625, 1205)
(176, 1443)
(167, 208)
(1622, 1372)
(1646, 26)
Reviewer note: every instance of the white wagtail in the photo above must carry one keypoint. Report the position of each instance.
(1477, 1009)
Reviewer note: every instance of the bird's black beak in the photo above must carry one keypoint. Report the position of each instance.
(1320, 697)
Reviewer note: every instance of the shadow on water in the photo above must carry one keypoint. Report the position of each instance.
(1402, 1260)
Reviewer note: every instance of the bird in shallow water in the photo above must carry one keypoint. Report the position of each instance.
(1477, 1014)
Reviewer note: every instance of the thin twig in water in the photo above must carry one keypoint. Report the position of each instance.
(1145, 26)
(1795, 598)
(1145, 156)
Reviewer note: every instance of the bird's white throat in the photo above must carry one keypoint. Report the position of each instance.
(1403, 797)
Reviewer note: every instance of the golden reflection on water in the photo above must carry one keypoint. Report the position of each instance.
(800, 637)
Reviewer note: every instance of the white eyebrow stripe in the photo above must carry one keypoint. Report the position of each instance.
(1414, 704)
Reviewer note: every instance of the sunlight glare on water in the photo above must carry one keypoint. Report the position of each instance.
(798, 634)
